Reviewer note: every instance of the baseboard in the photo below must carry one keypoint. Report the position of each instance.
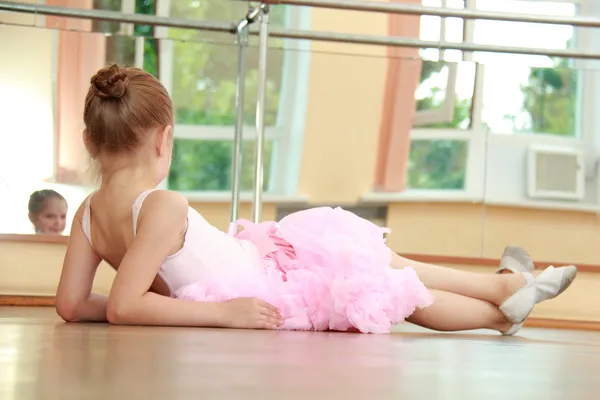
(546, 323)
(490, 262)
(27, 301)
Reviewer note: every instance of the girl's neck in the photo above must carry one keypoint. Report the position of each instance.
(132, 178)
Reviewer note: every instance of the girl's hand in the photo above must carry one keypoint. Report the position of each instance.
(250, 313)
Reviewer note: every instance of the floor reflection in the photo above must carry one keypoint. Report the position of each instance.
(43, 358)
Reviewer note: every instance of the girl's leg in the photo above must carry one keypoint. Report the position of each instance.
(453, 312)
(465, 300)
(493, 288)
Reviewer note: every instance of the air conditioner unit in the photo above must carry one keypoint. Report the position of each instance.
(555, 173)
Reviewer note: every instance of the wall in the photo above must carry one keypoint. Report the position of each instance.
(471, 230)
(22, 18)
(30, 268)
(345, 96)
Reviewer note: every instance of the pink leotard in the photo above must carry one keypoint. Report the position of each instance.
(206, 250)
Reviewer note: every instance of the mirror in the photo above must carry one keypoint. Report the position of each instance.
(488, 134)
(317, 100)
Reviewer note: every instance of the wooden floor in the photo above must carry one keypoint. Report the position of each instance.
(43, 358)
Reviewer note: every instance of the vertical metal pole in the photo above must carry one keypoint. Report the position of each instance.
(242, 40)
(260, 113)
(139, 52)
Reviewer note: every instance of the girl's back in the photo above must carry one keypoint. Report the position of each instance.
(107, 221)
(110, 221)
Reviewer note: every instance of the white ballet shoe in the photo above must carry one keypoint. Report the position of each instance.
(513, 329)
(547, 285)
(515, 259)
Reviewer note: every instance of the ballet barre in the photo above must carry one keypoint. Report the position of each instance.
(260, 13)
(263, 47)
(116, 16)
(413, 9)
(231, 28)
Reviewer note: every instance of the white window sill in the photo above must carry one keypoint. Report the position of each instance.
(457, 196)
(438, 196)
(245, 197)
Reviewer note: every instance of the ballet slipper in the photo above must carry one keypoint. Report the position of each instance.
(547, 285)
(512, 330)
(515, 259)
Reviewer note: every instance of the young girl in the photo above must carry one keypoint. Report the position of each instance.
(47, 212)
(319, 269)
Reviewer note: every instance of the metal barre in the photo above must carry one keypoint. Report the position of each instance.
(410, 9)
(236, 162)
(242, 28)
(407, 42)
(116, 16)
(263, 48)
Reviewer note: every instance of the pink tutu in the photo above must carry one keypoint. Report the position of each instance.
(325, 269)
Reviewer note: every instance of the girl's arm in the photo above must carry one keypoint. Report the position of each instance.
(74, 298)
(162, 220)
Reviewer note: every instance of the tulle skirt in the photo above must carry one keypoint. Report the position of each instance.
(325, 269)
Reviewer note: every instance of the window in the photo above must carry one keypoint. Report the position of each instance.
(129, 44)
(442, 29)
(473, 117)
(206, 164)
(200, 71)
(436, 100)
(439, 144)
(528, 94)
(445, 95)
(437, 164)
(444, 103)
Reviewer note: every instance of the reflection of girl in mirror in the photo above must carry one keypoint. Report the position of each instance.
(48, 212)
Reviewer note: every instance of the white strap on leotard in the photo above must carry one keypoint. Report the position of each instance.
(86, 219)
(135, 211)
(137, 206)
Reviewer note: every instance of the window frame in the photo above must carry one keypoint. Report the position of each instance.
(128, 7)
(287, 134)
(445, 113)
(478, 135)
